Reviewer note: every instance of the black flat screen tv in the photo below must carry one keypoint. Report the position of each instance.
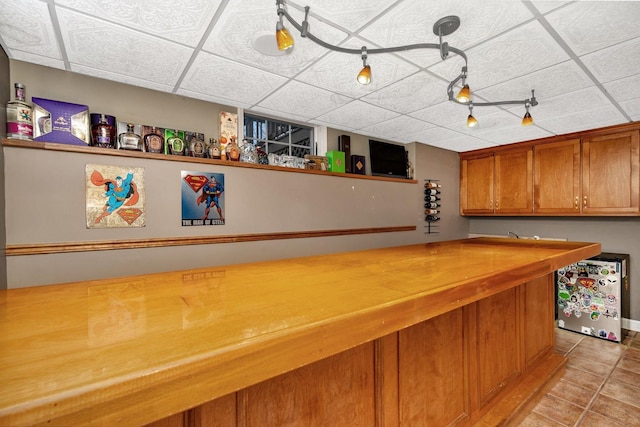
(387, 159)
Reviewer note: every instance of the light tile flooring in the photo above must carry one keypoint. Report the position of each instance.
(601, 385)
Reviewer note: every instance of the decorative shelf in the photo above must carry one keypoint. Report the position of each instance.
(6, 142)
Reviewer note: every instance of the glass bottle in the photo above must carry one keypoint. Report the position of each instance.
(234, 151)
(130, 140)
(103, 134)
(19, 115)
(175, 143)
(153, 141)
(432, 185)
(214, 149)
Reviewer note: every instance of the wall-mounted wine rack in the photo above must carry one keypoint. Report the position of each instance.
(431, 204)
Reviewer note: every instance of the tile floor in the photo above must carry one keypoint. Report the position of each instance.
(601, 385)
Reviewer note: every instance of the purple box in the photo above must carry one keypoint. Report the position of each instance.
(57, 121)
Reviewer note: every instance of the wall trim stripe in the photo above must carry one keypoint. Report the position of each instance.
(106, 245)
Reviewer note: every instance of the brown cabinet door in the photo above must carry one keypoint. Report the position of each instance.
(514, 182)
(611, 174)
(476, 186)
(556, 181)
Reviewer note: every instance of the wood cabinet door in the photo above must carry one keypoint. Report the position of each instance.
(476, 186)
(514, 182)
(611, 174)
(556, 178)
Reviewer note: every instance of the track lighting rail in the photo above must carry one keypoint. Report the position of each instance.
(443, 27)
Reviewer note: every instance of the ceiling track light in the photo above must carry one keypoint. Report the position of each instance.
(364, 76)
(442, 27)
(471, 121)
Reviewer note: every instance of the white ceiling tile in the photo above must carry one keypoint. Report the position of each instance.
(588, 26)
(514, 54)
(107, 75)
(624, 89)
(582, 119)
(99, 44)
(615, 62)
(183, 21)
(37, 59)
(410, 94)
(568, 103)
(548, 6)
(242, 23)
(210, 75)
(338, 71)
(632, 108)
(357, 114)
(349, 15)
(25, 26)
(398, 127)
(303, 100)
(547, 83)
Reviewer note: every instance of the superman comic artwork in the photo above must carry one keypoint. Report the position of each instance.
(115, 196)
(202, 198)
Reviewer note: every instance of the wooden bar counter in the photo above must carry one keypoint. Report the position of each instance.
(450, 333)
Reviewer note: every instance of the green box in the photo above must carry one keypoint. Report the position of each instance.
(336, 161)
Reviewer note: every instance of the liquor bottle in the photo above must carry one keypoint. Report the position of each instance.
(153, 141)
(19, 115)
(130, 140)
(431, 205)
(431, 191)
(103, 134)
(432, 218)
(431, 211)
(214, 149)
(263, 157)
(175, 143)
(233, 152)
(196, 145)
(432, 185)
(431, 198)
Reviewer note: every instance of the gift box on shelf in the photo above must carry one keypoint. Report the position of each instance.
(63, 122)
(336, 161)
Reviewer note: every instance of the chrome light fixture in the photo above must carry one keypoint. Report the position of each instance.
(364, 76)
(442, 27)
(471, 121)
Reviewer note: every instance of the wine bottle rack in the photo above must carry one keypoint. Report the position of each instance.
(431, 205)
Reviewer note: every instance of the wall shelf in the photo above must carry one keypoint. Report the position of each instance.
(6, 142)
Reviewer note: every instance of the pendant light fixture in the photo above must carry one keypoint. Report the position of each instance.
(364, 77)
(442, 27)
(471, 121)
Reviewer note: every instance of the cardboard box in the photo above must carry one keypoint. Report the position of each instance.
(318, 163)
(57, 121)
(336, 161)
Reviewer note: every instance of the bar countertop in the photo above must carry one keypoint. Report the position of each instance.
(139, 348)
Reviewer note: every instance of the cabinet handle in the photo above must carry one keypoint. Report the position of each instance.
(584, 202)
(576, 203)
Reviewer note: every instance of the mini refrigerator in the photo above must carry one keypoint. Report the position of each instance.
(592, 296)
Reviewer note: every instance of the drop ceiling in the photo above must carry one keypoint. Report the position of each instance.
(582, 58)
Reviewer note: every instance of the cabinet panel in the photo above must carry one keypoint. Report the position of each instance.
(337, 391)
(476, 185)
(432, 372)
(557, 177)
(611, 174)
(538, 318)
(514, 182)
(497, 328)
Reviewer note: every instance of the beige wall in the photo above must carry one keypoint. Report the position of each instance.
(257, 201)
(5, 96)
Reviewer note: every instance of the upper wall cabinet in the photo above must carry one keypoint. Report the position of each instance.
(597, 173)
(556, 178)
(497, 183)
(611, 174)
